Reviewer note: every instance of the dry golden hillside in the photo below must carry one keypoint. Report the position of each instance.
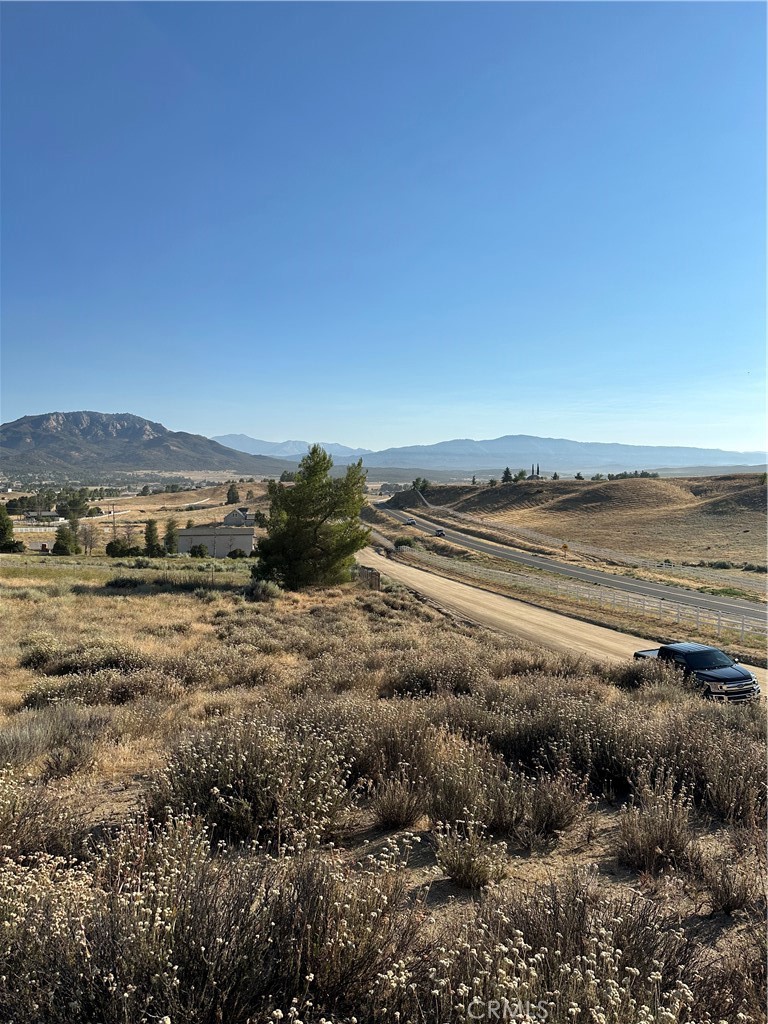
(681, 519)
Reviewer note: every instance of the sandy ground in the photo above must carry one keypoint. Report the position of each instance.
(536, 625)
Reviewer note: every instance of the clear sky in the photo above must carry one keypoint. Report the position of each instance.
(385, 224)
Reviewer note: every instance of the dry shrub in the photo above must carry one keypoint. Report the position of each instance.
(328, 673)
(435, 674)
(169, 629)
(467, 856)
(156, 927)
(374, 739)
(553, 804)
(654, 834)
(521, 661)
(31, 735)
(38, 649)
(468, 779)
(253, 781)
(50, 658)
(734, 872)
(107, 686)
(399, 802)
(639, 673)
(33, 820)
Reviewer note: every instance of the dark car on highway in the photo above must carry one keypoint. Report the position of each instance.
(439, 533)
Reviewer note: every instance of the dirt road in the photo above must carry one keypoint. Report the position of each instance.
(536, 625)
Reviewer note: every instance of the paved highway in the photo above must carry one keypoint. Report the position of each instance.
(538, 626)
(659, 591)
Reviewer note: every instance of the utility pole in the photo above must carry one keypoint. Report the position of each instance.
(114, 523)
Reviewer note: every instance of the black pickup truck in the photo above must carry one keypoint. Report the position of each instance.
(720, 677)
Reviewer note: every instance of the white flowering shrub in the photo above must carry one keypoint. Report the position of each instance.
(465, 853)
(249, 780)
(654, 833)
(32, 820)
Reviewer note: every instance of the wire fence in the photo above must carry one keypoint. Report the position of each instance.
(595, 595)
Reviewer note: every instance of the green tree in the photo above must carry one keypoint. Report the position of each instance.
(578, 476)
(198, 551)
(6, 528)
(555, 476)
(420, 484)
(66, 542)
(314, 527)
(190, 524)
(506, 476)
(519, 475)
(171, 537)
(493, 482)
(233, 495)
(474, 480)
(120, 548)
(152, 546)
(7, 543)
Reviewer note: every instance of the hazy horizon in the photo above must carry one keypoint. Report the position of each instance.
(388, 224)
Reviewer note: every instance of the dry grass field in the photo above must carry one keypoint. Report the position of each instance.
(344, 806)
(702, 518)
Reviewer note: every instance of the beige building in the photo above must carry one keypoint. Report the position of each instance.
(219, 540)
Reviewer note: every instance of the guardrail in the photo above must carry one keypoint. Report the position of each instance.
(603, 597)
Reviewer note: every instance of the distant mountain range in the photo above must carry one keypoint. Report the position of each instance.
(519, 451)
(286, 449)
(73, 443)
(63, 443)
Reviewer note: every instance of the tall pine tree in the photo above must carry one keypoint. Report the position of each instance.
(314, 527)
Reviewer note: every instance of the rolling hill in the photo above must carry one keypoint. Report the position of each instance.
(62, 443)
(708, 518)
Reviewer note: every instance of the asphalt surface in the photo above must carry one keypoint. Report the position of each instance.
(538, 626)
(642, 588)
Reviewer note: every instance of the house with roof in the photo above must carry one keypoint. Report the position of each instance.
(241, 516)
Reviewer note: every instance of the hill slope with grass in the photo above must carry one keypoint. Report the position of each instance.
(72, 442)
(702, 518)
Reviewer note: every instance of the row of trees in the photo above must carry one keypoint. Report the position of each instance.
(66, 501)
(120, 547)
(71, 541)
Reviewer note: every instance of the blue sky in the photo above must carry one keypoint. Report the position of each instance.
(387, 224)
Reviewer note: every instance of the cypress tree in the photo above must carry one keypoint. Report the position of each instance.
(171, 538)
(152, 546)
